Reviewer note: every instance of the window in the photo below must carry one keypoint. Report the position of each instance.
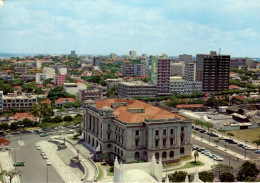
(171, 131)
(182, 150)
(157, 155)
(137, 132)
(108, 126)
(108, 145)
(171, 141)
(157, 132)
(182, 128)
(164, 132)
(108, 136)
(137, 142)
(164, 155)
(171, 154)
(156, 143)
(164, 142)
(136, 155)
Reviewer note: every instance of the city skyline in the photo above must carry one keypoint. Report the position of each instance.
(104, 27)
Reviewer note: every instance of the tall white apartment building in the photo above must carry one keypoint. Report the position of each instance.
(49, 72)
(190, 71)
(132, 54)
(177, 68)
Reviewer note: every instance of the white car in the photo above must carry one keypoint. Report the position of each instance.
(44, 157)
(48, 162)
(217, 158)
(38, 148)
(208, 153)
(249, 148)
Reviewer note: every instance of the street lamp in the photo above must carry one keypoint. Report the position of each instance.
(245, 148)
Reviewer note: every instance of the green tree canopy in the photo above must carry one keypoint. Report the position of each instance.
(178, 176)
(226, 177)
(206, 176)
(247, 172)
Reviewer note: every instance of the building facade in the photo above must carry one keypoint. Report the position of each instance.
(190, 71)
(213, 71)
(133, 70)
(238, 63)
(132, 54)
(14, 101)
(185, 58)
(134, 130)
(177, 68)
(136, 89)
(60, 80)
(91, 94)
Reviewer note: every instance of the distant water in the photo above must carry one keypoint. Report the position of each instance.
(7, 55)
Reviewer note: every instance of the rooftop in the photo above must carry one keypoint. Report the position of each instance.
(150, 111)
(136, 83)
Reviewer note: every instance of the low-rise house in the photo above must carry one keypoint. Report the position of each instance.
(24, 115)
(15, 101)
(60, 102)
(47, 101)
(192, 107)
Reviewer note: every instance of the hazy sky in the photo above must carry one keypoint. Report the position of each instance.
(101, 27)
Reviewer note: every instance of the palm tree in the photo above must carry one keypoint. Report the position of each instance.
(257, 142)
(196, 155)
(217, 141)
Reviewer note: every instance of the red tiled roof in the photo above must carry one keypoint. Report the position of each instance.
(50, 84)
(38, 85)
(60, 100)
(233, 73)
(207, 94)
(184, 99)
(24, 115)
(150, 111)
(234, 87)
(17, 87)
(47, 101)
(239, 97)
(189, 106)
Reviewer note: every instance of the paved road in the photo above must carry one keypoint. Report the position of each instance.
(233, 147)
(233, 160)
(35, 169)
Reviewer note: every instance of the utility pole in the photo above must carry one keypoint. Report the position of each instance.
(229, 161)
(245, 148)
(47, 173)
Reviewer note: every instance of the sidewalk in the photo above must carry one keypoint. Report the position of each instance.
(6, 163)
(220, 148)
(208, 162)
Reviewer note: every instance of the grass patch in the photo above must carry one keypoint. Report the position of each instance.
(61, 110)
(100, 172)
(190, 165)
(74, 139)
(1, 178)
(184, 158)
(243, 134)
(109, 172)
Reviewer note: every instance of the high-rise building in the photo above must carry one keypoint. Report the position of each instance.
(213, 71)
(113, 56)
(133, 70)
(60, 79)
(190, 71)
(177, 68)
(185, 58)
(1, 100)
(73, 54)
(96, 61)
(160, 75)
(132, 54)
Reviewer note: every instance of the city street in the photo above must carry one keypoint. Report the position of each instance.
(35, 169)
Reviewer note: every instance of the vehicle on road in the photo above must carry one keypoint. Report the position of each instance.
(213, 135)
(218, 158)
(36, 131)
(257, 151)
(203, 152)
(207, 153)
(8, 148)
(37, 145)
(38, 148)
(44, 157)
(18, 163)
(231, 141)
(201, 149)
(43, 134)
(213, 156)
(48, 162)
(202, 131)
(195, 147)
(43, 153)
(240, 145)
(248, 148)
(70, 132)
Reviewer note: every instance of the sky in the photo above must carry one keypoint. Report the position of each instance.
(101, 27)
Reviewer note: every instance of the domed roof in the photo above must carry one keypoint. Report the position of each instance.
(137, 175)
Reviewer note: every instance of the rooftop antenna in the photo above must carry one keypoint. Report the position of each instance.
(219, 51)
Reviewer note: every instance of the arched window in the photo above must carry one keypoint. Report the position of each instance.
(182, 150)
(136, 155)
(164, 155)
(157, 155)
(171, 154)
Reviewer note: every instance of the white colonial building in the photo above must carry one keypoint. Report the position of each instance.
(135, 130)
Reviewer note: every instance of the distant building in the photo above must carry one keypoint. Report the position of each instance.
(96, 61)
(91, 94)
(60, 102)
(113, 56)
(190, 71)
(49, 72)
(113, 83)
(63, 71)
(136, 89)
(23, 101)
(60, 80)
(133, 70)
(238, 63)
(132, 54)
(73, 54)
(20, 70)
(185, 58)
(74, 88)
(179, 85)
(177, 68)
(160, 75)
(40, 78)
(134, 130)
(24, 115)
(213, 71)
(1, 100)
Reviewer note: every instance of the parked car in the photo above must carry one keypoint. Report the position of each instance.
(240, 145)
(18, 163)
(248, 148)
(38, 148)
(213, 135)
(48, 162)
(213, 156)
(202, 131)
(197, 129)
(36, 131)
(43, 134)
(231, 141)
(201, 149)
(70, 132)
(217, 158)
(43, 153)
(44, 157)
(208, 153)
(257, 151)
(8, 148)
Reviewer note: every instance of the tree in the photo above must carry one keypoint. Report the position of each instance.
(206, 176)
(57, 119)
(212, 101)
(178, 176)
(11, 174)
(67, 118)
(77, 104)
(4, 141)
(226, 177)
(67, 105)
(257, 142)
(196, 155)
(42, 109)
(105, 156)
(221, 168)
(217, 141)
(247, 172)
